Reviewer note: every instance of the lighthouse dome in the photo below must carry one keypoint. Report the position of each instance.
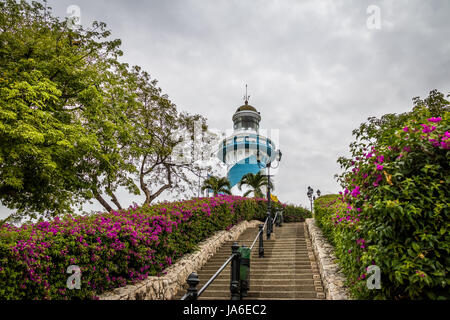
(246, 117)
(246, 107)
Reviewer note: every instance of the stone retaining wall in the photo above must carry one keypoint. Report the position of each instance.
(332, 278)
(167, 286)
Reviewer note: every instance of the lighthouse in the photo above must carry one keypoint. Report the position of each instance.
(246, 150)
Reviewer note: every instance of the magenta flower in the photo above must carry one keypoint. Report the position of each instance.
(434, 142)
(427, 129)
(355, 192)
(406, 129)
(445, 145)
(435, 119)
(379, 167)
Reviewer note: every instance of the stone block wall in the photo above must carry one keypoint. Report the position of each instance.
(167, 286)
(333, 279)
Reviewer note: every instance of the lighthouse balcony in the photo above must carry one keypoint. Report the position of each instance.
(239, 147)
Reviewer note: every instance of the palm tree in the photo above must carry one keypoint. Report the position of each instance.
(255, 182)
(217, 185)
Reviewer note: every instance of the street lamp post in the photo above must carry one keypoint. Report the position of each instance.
(269, 206)
(310, 196)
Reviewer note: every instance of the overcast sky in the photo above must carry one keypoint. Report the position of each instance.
(315, 69)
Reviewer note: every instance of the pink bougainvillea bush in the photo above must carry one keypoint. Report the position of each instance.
(111, 249)
(393, 211)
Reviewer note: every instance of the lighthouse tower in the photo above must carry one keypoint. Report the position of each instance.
(245, 151)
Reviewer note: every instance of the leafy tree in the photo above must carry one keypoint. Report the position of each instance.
(76, 124)
(255, 182)
(217, 185)
(163, 142)
(53, 116)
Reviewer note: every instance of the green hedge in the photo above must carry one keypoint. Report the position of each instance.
(293, 213)
(112, 249)
(394, 210)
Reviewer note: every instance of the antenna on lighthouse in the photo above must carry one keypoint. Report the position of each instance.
(246, 97)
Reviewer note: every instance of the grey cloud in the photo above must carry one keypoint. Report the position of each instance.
(314, 70)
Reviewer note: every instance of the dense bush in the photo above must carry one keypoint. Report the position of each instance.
(111, 249)
(294, 213)
(394, 211)
(326, 208)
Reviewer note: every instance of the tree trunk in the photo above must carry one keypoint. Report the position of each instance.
(150, 197)
(103, 202)
(113, 198)
(115, 201)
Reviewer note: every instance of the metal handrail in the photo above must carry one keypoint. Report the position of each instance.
(257, 235)
(235, 289)
(215, 275)
(206, 285)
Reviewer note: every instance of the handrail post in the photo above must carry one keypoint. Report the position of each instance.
(235, 271)
(281, 218)
(192, 291)
(244, 272)
(261, 241)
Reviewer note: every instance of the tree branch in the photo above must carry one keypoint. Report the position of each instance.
(102, 201)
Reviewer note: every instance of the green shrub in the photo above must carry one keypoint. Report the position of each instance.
(394, 211)
(293, 213)
(112, 249)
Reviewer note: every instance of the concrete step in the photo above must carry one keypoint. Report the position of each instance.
(262, 294)
(253, 298)
(270, 252)
(267, 255)
(205, 276)
(262, 266)
(261, 281)
(273, 251)
(269, 242)
(275, 263)
(266, 287)
(286, 271)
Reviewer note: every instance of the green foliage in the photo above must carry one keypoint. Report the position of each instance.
(255, 182)
(394, 211)
(217, 185)
(112, 249)
(75, 123)
(58, 125)
(293, 213)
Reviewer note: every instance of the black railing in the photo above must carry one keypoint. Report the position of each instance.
(238, 286)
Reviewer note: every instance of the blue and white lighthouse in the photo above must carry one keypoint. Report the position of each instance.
(245, 150)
